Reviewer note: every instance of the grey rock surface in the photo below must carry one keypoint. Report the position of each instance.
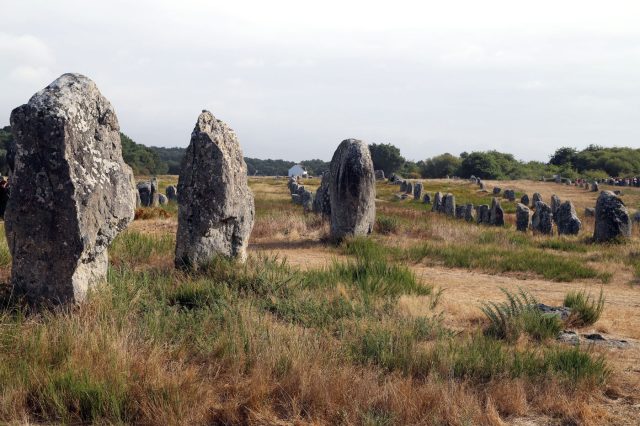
(437, 202)
(525, 200)
(352, 190)
(215, 205)
(555, 205)
(469, 213)
(567, 219)
(417, 191)
(522, 217)
(71, 191)
(172, 193)
(542, 220)
(612, 218)
(322, 200)
(496, 213)
(449, 204)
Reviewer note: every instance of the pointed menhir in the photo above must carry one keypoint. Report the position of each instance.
(215, 205)
(352, 190)
(71, 192)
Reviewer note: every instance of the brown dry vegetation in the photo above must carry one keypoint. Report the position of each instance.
(385, 331)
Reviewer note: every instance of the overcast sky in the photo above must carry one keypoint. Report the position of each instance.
(294, 78)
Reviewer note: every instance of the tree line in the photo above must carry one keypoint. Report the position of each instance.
(594, 162)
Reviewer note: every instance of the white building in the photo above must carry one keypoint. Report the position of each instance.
(298, 170)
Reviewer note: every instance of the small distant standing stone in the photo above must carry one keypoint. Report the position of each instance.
(537, 197)
(379, 174)
(171, 192)
(589, 212)
(307, 201)
(496, 217)
(322, 201)
(496, 190)
(417, 191)
(460, 211)
(449, 202)
(595, 187)
(470, 213)
(525, 200)
(483, 214)
(542, 220)
(162, 199)
(437, 202)
(522, 217)
(567, 219)
(426, 199)
(403, 186)
(555, 205)
(612, 218)
(409, 189)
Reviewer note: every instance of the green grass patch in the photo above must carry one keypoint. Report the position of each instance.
(585, 309)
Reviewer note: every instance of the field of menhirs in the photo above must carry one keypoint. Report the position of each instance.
(430, 320)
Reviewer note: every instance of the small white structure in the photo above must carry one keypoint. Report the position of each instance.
(297, 171)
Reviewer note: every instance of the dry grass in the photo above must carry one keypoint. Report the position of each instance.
(302, 343)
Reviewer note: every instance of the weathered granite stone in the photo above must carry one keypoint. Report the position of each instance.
(162, 199)
(155, 198)
(215, 205)
(352, 190)
(542, 220)
(525, 200)
(403, 186)
(71, 192)
(296, 199)
(535, 199)
(636, 217)
(460, 210)
(522, 217)
(555, 205)
(409, 189)
(469, 213)
(426, 199)
(306, 199)
(417, 191)
(379, 174)
(496, 190)
(567, 219)
(483, 214)
(322, 201)
(449, 205)
(612, 218)
(496, 214)
(437, 202)
(595, 187)
(144, 191)
(172, 193)
(589, 212)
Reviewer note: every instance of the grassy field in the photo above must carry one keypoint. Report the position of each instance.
(427, 321)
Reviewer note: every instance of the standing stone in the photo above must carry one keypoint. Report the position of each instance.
(481, 185)
(215, 205)
(296, 199)
(567, 219)
(525, 200)
(589, 212)
(595, 187)
(612, 218)
(417, 191)
(138, 200)
(636, 217)
(511, 196)
(71, 192)
(172, 193)
(162, 199)
(155, 195)
(496, 216)
(426, 199)
(322, 201)
(483, 214)
(555, 205)
(460, 210)
(542, 220)
(403, 186)
(449, 205)
(496, 190)
(409, 189)
(522, 217)
(437, 202)
(144, 191)
(306, 199)
(537, 197)
(469, 213)
(379, 174)
(352, 190)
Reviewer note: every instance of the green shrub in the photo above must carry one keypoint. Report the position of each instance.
(387, 225)
(508, 320)
(585, 309)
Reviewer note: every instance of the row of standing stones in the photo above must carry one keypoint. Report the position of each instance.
(612, 220)
(72, 193)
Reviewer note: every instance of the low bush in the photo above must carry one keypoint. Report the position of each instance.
(585, 309)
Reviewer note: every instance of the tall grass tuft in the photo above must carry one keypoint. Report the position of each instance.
(509, 319)
(387, 225)
(585, 309)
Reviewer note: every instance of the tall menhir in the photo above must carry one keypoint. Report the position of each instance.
(215, 205)
(71, 192)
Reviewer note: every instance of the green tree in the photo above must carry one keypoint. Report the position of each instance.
(440, 166)
(482, 165)
(564, 156)
(386, 157)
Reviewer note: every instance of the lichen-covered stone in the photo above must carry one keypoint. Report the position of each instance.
(469, 213)
(555, 205)
(542, 220)
(71, 192)
(612, 218)
(172, 193)
(496, 214)
(426, 199)
(417, 191)
(322, 201)
(525, 200)
(437, 202)
(522, 217)
(215, 205)
(483, 214)
(352, 190)
(379, 174)
(449, 205)
(567, 219)
(537, 197)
